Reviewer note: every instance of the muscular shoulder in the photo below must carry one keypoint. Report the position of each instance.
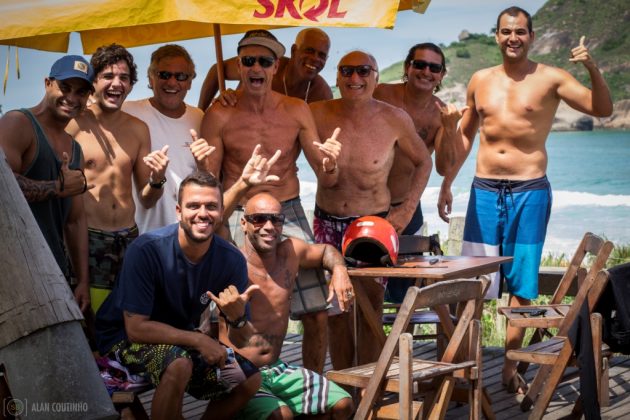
(13, 131)
(320, 90)
(386, 91)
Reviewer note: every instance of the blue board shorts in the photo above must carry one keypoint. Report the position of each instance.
(509, 218)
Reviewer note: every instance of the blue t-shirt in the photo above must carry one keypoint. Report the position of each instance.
(157, 280)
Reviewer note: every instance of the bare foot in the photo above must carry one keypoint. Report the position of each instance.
(515, 385)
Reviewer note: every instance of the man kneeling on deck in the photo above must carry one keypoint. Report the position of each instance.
(148, 321)
(272, 264)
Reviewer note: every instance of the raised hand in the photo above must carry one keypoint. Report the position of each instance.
(231, 302)
(450, 115)
(331, 148)
(199, 147)
(226, 98)
(71, 181)
(580, 54)
(256, 171)
(157, 161)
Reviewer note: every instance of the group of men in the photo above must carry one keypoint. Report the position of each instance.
(96, 176)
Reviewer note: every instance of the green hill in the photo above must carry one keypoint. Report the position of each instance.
(558, 26)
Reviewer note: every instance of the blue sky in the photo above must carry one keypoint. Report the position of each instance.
(442, 23)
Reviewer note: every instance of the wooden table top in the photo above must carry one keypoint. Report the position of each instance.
(447, 268)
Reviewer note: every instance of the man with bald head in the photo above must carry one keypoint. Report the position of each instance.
(297, 76)
(513, 106)
(276, 122)
(371, 131)
(272, 264)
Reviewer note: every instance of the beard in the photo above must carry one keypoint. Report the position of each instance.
(195, 236)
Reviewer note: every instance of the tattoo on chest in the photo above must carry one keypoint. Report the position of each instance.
(265, 340)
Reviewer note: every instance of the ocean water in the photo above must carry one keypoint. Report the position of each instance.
(590, 179)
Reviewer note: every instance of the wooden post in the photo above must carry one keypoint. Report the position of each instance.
(47, 360)
(455, 236)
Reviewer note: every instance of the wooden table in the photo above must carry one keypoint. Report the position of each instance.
(420, 267)
(448, 268)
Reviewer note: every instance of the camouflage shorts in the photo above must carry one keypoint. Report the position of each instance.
(106, 252)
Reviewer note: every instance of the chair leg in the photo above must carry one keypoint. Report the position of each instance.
(534, 388)
(442, 398)
(552, 381)
(536, 338)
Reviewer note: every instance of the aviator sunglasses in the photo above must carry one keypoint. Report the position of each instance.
(260, 219)
(363, 70)
(179, 76)
(264, 61)
(421, 65)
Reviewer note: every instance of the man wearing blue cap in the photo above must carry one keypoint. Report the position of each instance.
(47, 164)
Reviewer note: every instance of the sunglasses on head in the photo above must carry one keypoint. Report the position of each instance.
(363, 70)
(260, 219)
(421, 65)
(179, 76)
(263, 60)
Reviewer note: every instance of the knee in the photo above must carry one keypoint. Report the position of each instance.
(179, 372)
(282, 413)
(250, 386)
(343, 409)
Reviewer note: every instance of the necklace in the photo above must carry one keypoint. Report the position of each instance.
(284, 82)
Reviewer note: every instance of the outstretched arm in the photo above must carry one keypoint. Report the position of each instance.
(210, 85)
(595, 101)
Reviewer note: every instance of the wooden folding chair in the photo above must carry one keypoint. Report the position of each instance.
(416, 245)
(435, 379)
(557, 353)
(592, 248)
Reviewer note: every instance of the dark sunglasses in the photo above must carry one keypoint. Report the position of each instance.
(264, 61)
(260, 219)
(179, 76)
(421, 65)
(362, 71)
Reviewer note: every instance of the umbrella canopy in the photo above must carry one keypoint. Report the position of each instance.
(47, 24)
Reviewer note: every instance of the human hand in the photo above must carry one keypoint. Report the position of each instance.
(257, 169)
(450, 115)
(341, 286)
(445, 203)
(199, 147)
(331, 149)
(71, 181)
(82, 295)
(398, 217)
(226, 98)
(211, 350)
(157, 161)
(231, 302)
(580, 54)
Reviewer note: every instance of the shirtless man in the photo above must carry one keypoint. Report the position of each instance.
(370, 132)
(297, 76)
(277, 122)
(272, 264)
(116, 148)
(424, 69)
(513, 106)
(47, 164)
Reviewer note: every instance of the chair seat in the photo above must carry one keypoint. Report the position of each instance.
(418, 317)
(551, 319)
(421, 370)
(542, 353)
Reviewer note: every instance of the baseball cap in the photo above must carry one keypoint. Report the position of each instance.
(70, 66)
(264, 39)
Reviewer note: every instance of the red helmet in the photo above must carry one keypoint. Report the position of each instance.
(372, 240)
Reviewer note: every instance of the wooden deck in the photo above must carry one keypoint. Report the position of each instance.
(506, 406)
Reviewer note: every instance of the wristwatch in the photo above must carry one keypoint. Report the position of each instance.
(157, 185)
(237, 323)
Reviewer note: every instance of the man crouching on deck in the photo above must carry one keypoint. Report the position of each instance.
(272, 264)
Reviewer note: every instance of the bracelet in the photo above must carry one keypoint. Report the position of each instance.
(84, 181)
(157, 185)
(61, 181)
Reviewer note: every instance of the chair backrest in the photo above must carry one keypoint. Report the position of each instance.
(467, 292)
(418, 244)
(590, 245)
(591, 288)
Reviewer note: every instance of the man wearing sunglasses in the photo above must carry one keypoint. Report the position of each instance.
(371, 131)
(272, 264)
(170, 120)
(150, 322)
(276, 122)
(423, 71)
(297, 76)
(513, 106)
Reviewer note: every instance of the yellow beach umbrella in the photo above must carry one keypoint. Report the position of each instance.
(47, 24)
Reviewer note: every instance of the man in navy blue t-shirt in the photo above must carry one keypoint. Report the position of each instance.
(148, 322)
